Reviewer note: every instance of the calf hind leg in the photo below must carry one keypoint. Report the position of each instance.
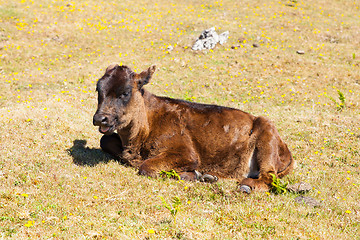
(261, 184)
(266, 156)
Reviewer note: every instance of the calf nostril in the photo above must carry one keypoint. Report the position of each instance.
(104, 120)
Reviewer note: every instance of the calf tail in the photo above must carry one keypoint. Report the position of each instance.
(288, 168)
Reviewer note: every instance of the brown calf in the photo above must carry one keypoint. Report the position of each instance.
(198, 141)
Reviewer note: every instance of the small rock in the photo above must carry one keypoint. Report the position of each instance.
(170, 48)
(94, 234)
(24, 214)
(52, 220)
(256, 45)
(308, 201)
(208, 211)
(300, 187)
(300, 52)
(235, 47)
(241, 40)
(334, 40)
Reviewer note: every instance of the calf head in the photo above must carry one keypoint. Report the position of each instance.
(119, 97)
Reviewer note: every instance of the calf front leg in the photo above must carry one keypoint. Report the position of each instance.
(112, 144)
(184, 164)
(197, 176)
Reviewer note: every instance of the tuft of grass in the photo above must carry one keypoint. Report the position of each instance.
(339, 105)
(170, 174)
(277, 186)
(174, 207)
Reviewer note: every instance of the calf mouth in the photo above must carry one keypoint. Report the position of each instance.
(107, 130)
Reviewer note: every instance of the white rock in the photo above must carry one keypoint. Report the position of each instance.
(170, 48)
(223, 37)
(209, 38)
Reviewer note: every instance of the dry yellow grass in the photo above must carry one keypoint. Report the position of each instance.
(56, 183)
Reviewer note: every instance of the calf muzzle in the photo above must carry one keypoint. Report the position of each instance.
(100, 119)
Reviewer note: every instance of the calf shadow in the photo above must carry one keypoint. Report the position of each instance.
(85, 156)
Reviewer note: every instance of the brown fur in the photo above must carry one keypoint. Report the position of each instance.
(160, 134)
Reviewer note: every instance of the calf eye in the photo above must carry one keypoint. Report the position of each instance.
(124, 95)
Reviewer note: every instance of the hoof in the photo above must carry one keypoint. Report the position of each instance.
(245, 189)
(146, 172)
(208, 178)
(197, 175)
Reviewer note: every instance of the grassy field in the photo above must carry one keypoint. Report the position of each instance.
(55, 183)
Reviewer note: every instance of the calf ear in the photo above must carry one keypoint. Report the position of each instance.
(145, 76)
(111, 67)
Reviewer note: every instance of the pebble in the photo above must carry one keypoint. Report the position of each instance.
(241, 40)
(300, 187)
(300, 52)
(170, 48)
(308, 201)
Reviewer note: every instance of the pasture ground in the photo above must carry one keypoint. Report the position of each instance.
(55, 183)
